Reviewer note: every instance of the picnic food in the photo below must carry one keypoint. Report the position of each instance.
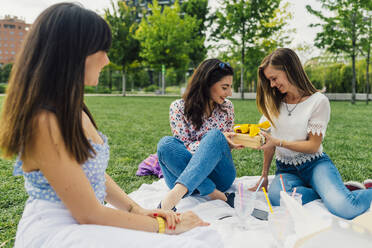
(249, 134)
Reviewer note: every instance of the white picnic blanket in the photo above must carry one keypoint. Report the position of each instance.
(258, 235)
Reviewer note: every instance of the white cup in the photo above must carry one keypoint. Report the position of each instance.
(244, 204)
(296, 196)
(281, 225)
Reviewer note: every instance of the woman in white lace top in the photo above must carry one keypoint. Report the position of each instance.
(299, 115)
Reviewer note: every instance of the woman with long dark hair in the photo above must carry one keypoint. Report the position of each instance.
(62, 156)
(197, 158)
(299, 116)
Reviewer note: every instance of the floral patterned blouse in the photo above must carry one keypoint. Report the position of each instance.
(182, 129)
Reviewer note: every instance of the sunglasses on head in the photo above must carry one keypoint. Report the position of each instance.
(223, 65)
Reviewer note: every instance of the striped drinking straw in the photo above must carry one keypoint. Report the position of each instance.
(282, 182)
(259, 185)
(240, 193)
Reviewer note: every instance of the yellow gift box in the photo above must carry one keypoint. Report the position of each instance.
(249, 134)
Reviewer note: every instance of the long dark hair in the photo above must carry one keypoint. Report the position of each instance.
(49, 71)
(197, 94)
(269, 99)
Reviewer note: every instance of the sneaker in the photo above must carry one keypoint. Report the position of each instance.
(352, 185)
(230, 199)
(174, 208)
(368, 183)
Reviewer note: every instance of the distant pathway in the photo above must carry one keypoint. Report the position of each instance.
(250, 96)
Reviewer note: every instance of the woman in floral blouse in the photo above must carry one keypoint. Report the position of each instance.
(197, 158)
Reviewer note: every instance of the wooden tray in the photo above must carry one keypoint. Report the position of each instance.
(248, 141)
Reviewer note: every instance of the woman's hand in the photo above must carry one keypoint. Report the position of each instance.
(270, 143)
(188, 221)
(232, 145)
(171, 218)
(264, 184)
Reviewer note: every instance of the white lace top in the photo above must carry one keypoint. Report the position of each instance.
(309, 116)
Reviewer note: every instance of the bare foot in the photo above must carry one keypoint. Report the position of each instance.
(173, 196)
(217, 195)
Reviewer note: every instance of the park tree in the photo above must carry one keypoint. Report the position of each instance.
(255, 54)
(5, 72)
(125, 47)
(366, 47)
(246, 24)
(199, 10)
(165, 37)
(342, 29)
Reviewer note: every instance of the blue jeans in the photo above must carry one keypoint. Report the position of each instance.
(320, 179)
(210, 168)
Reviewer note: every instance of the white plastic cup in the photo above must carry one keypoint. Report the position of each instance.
(281, 225)
(244, 205)
(296, 196)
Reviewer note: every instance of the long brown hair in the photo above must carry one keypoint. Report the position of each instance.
(49, 72)
(268, 99)
(197, 95)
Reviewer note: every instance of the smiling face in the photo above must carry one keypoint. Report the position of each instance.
(222, 89)
(93, 66)
(278, 79)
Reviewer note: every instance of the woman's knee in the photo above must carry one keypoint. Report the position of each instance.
(347, 207)
(214, 133)
(215, 137)
(164, 144)
(225, 184)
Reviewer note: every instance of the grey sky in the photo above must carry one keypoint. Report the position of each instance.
(30, 9)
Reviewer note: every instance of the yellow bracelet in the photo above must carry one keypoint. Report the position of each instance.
(161, 223)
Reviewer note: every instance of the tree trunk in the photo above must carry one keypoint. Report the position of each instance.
(110, 78)
(353, 60)
(159, 79)
(123, 80)
(242, 63)
(353, 80)
(163, 80)
(367, 71)
(110, 82)
(151, 76)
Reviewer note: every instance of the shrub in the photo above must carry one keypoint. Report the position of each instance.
(337, 77)
(173, 90)
(104, 90)
(151, 88)
(90, 89)
(96, 90)
(3, 88)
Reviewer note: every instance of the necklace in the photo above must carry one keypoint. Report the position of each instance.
(291, 110)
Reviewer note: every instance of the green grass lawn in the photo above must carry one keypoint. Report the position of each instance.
(134, 125)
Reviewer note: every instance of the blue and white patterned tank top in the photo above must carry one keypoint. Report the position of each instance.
(94, 168)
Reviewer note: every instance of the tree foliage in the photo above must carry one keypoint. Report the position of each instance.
(199, 10)
(336, 76)
(248, 25)
(165, 37)
(343, 29)
(5, 72)
(125, 48)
